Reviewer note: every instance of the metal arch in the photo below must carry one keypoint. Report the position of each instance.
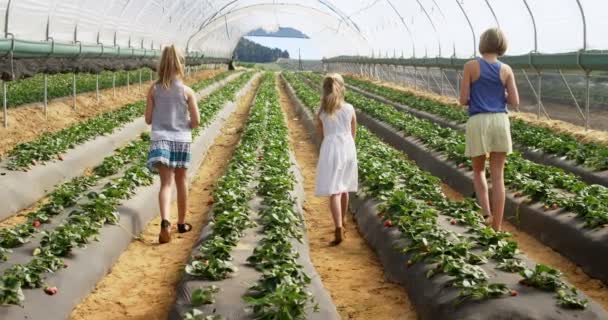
(409, 31)
(343, 17)
(533, 25)
(493, 13)
(6, 17)
(266, 4)
(466, 16)
(426, 13)
(580, 7)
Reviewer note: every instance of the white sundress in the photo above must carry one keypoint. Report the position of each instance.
(337, 166)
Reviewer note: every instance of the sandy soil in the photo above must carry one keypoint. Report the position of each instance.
(28, 122)
(350, 272)
(528, 114)
(540, 253)
(150, 272)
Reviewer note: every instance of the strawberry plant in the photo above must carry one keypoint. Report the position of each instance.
(204, 295)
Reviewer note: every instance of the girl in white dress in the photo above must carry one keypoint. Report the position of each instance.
(337, 167)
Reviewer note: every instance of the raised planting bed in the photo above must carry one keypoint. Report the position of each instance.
(452, 266)
(569, 216)
(252, 260)
(112, 213)
(71, 151)
(587, 160)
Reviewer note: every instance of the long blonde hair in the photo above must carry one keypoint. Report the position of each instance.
(333, 93)
(171, 66)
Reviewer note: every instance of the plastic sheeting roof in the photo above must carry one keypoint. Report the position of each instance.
(339, 27)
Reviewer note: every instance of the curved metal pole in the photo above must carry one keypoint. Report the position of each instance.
(533, 25)
(269, 4)
(493, 13)
(409, 31)
(580, 7)
(6, 18)
(470, 26)
(432, 24)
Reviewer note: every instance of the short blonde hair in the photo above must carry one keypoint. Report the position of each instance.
(493, 41)
(171, 66)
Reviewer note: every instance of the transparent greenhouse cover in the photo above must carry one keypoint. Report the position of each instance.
(390, 28)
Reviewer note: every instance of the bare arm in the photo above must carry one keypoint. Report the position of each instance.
(353, 126)
(195, 117)
(149, 105)
(512, 93)
(465, 86)
(320, 132)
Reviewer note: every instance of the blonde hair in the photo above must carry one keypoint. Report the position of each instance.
(171, 66)
(333, 93)
(493, 40)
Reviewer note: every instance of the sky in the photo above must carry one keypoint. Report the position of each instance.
(306, 46)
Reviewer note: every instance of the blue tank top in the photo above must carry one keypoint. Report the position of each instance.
(487, 92)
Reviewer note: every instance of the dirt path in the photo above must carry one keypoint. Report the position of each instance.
(27, 122)
(542, 254)
(142, 283)
(350, 272)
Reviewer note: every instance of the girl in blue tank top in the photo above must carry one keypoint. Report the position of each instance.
(172, 111)
(487, 87)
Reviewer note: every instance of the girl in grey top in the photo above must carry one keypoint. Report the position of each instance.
(172, 111)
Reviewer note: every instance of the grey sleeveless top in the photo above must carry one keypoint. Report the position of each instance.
(170, 117)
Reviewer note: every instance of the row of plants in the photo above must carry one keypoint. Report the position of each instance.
(281, 292)
(412, 201)
(231, 210)
(546, 184)
(83, 223)
(68, 193)
(59, 85)
(591, 155)
(51, 146)
(87, 217)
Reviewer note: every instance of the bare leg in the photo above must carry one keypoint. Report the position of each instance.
(336, 210)
(497, 167)
(344, 204)
(480, 184)
(164, 195)
(182, 194)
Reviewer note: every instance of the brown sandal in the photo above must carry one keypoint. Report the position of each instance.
(165, 232)
(184, 227)
(339, 236)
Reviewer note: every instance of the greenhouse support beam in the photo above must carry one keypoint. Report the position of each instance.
(578, 107)
(533, 25)
(4, 104)
(539, 79)
(97, 87)
(74, 91)
(46, 94)
(588, 98)
(534, 92)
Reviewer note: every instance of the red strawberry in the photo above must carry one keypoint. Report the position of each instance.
(514, 293)
(554, 206)
(518, 194)
(36, 224)
(51, 290)
(60, 157)
(210, 202)
(388, 223)
(462, 165)
(33, 162)
(65, 265)
(453, 221)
